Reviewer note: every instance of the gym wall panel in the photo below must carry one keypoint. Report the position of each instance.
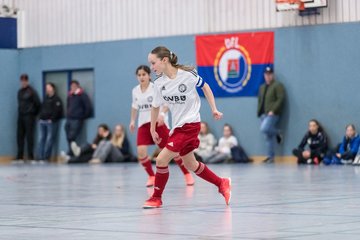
(319, 70)
(57, 22)
(9, 81)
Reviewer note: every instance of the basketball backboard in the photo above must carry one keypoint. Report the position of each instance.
(300, 5)
(315, 3)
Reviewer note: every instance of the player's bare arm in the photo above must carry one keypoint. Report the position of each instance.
(154, 116)
(211, 100)
(132, 119)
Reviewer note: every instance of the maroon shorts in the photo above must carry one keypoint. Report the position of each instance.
(144, 135)
(184, 139)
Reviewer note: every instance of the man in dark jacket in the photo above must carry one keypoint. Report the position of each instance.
(78, 109)
(270, 103)
(51, 113)
(28, 108)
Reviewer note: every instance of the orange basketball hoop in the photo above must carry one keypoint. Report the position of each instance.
(301, 5)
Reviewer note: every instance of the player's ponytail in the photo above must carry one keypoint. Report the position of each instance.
(162, 52)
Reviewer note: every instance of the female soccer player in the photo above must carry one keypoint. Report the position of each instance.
(142, 97)
(176, 87)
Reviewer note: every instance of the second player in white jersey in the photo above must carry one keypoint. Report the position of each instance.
(142, 102)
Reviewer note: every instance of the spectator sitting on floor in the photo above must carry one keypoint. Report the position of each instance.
(83, 154)
(347, 150)
(207, 143)
(222, 152)
(120, 151)
(313, 146)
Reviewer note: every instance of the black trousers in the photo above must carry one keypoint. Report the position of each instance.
(86, 155)
(25, 131)
(301, 160)
(73, 129)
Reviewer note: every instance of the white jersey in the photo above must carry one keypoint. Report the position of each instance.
(180, 95)
(142, 101)
(225, 144)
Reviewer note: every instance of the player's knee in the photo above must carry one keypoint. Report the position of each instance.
(142, 152)
(190, 164)
(162, 162)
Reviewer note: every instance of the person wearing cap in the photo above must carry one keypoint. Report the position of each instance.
(28, 108)
(78, 109)
(270, 104)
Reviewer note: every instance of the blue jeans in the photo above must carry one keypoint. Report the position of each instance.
(269, 129)
(48, 132)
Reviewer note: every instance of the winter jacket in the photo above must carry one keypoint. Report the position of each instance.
(28, 101)
(350, 145)
(273, 100)
(51, 108)
(317, 143)
(78, 105)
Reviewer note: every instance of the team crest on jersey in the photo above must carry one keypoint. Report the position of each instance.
(232, 66)
(150, 99)
(182, 88)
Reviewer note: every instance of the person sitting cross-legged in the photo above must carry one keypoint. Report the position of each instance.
(313, 146)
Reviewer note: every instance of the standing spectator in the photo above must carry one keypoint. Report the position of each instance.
(51, 112)
(28, 108)
(347, 150)
(313, 146)
(270, 103)
(223, 150)
(78, 109)
(207, 143)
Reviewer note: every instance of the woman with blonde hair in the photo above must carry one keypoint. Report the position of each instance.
(120, 151)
